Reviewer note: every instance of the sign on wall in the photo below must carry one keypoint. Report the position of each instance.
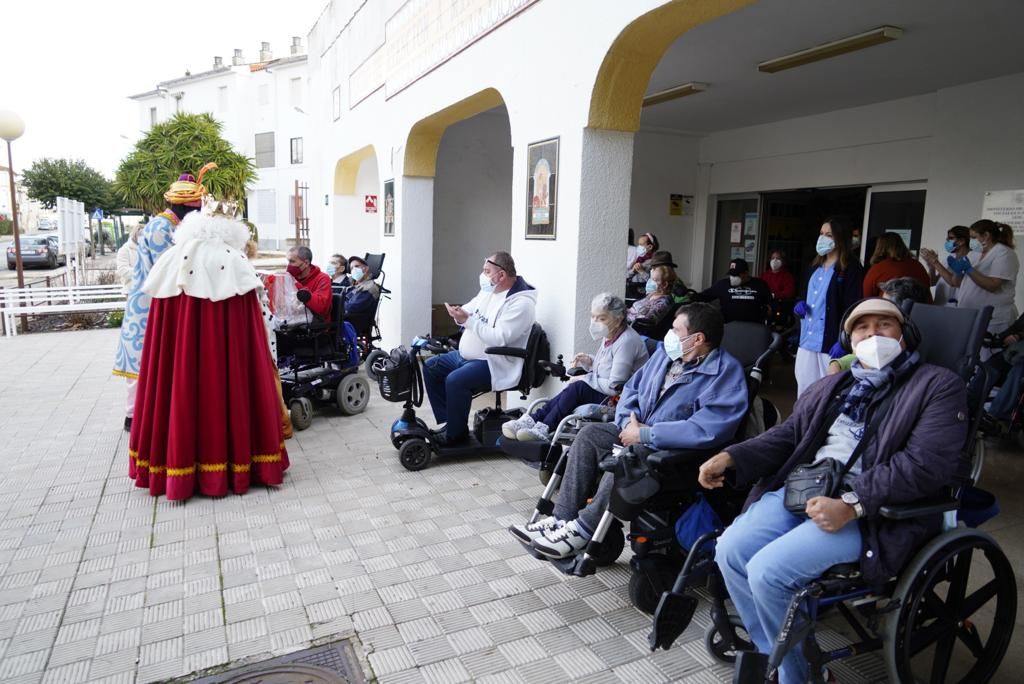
(370, 204)
(542, 190)
(389, 207)
(680, 205)
(1005, 206)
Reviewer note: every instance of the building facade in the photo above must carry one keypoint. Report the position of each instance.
(262, 105)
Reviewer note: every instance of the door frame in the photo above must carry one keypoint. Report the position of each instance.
(881, 188)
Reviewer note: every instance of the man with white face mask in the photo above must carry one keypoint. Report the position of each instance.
(769, 552)
(691, 394)
(740, 296)
(500, 315)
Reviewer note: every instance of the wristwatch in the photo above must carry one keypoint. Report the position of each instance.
(851, 499)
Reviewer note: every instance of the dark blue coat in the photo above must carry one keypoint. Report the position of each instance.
(915, 455)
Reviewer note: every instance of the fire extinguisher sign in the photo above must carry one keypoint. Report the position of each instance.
(370, 202)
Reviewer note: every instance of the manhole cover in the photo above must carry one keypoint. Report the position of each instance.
(333, 663)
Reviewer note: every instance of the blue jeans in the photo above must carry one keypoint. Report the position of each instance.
(766, 556)
(1006, 399)
(451, 381)
(576, 394)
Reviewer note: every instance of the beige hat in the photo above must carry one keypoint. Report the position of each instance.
(872, 305)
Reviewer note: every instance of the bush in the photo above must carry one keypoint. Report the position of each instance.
(6, 227)
(115, 318)
(106, 278)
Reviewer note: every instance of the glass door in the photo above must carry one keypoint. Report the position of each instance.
(897, 208)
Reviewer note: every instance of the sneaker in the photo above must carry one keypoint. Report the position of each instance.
(562, 542)
(511, 428)
(528, 532)
(538, 433)
(127, 424)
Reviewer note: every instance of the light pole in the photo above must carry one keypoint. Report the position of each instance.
(11, 128)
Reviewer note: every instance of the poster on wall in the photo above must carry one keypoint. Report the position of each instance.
(542, 190)
(389, 207)
(680, 205)
(736, 233)
(750, 224)
(1005, 206)
(370, 204)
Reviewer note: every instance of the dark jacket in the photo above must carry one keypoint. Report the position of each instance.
(915, 455)
(844, 290)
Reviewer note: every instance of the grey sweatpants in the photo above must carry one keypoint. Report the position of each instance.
(593, 443)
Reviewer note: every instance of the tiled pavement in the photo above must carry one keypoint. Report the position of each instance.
(101, 582)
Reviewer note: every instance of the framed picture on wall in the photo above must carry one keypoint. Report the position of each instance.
(389, 208)
(542, 190)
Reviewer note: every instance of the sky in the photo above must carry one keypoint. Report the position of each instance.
(67, 67)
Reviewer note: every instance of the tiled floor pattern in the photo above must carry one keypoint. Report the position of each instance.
(100, 582)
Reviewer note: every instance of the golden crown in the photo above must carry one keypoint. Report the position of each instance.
(220, 208)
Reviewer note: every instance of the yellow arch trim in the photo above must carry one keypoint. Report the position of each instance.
(425, 136)
(347, 168)
(627, 67)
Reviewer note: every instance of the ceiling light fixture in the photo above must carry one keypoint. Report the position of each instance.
(674, 93)
(882, 34)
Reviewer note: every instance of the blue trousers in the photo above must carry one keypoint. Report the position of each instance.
(766, 556)
(451, 381)
(1006, 399)
(574, 395)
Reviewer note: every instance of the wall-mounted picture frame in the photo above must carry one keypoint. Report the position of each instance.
(389, 208)
(542, 190)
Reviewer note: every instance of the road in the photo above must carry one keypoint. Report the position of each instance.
(9, 277)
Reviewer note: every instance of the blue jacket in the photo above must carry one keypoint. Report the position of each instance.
(701, 410)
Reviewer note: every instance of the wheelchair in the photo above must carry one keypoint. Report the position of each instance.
(656, 555)
(958, 590)
(366, 324)
(322, 366)
(400, 377)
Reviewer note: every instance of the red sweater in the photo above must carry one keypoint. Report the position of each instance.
(319, 285)
(782, 284)
(887, 269)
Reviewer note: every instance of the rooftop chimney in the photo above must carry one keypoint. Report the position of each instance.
(218, 62)
(265, 55)
(237, 60)
(296, 45)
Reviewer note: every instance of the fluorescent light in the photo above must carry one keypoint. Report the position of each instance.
(674, 93)
(882, 34)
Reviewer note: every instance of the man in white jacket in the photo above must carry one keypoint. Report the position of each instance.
(501, 315)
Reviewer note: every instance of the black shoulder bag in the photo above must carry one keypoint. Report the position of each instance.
(825, 477)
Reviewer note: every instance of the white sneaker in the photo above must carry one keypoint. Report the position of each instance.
(539, 432)
(562, 542)
(512, 427)
(527, 532)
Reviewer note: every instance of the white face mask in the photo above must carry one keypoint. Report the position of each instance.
(776, 264)
(485, 283)
(357, 274)
(598, 330)
(877, 351)
(735, 281)
(641, 250)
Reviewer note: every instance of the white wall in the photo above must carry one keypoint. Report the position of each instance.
(663, 164)
(355, 231)
(472, 203)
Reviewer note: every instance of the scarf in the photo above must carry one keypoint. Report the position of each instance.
(872, 382)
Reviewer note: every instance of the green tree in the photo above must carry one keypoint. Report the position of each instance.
(182, 144)
(48, 179)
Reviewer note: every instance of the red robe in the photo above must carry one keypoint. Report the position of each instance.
(207, 414)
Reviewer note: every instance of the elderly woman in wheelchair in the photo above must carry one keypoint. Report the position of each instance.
(835, 482)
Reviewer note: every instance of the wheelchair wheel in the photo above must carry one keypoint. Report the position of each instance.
(353, 394)
(716, 644)
(958, 606)
(611, 548)
(646, 588)
(414, 454)
(301, 412)
(372, 358)
(544, 475)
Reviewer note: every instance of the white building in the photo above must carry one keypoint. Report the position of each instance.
(904, 128)
(262, 106)
(29, 211)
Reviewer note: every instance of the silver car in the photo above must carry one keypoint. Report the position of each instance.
(36, 250)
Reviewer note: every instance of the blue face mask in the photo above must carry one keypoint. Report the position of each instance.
(825, 245)
(330, 270)
(357, 274)
(650, 287)
(975, 245)
(950, 246)
(485, 283)
(673, 345)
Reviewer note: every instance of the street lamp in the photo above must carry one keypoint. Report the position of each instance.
(11, 128)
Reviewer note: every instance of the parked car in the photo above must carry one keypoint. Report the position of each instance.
(61, 258)
(46, 224)
(36, 250)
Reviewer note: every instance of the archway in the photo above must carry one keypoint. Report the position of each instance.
(356, 214)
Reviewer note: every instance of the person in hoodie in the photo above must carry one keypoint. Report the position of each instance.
(691, 394)
(501, 315)
(314, 286)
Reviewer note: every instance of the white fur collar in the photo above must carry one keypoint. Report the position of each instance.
(197, 226)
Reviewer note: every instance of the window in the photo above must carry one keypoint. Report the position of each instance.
(296, 144)
(295, 91)
(263, 94)
(264, 150)
(222, 98)
(336, 104)
(264, 205)
(152, 117)
(291, 210)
